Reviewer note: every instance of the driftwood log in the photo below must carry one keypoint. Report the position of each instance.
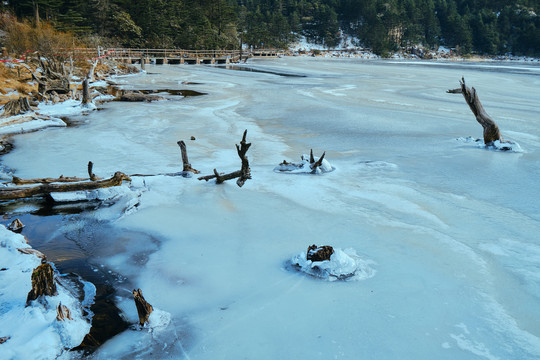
(491, 130)
(144, 309)
(43, 283)
(46, 189)
(243, 174)
(16, 107)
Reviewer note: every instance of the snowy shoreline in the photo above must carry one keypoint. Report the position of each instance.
(35, 329)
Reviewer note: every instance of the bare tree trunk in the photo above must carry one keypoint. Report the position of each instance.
(92, 70)
(491, 130)
(86, 98)
(185, 162)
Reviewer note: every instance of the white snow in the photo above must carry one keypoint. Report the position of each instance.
(26, 123)
(34, 331)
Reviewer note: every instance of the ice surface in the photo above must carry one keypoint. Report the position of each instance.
(452, 230)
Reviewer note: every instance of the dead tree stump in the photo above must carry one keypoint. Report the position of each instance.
(144, 309)
(16, 226)
(63, 313)
(86, 98)
(315, 164)
(185, 162)
(319, 253)
(42, 283)
(16, 107)
(491, 130)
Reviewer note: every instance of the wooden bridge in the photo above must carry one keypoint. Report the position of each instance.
(169, 56)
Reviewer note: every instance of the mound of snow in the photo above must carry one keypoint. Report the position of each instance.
(343, 265)
(494, 145)
(304, 166)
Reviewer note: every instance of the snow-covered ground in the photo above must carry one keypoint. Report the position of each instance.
(443, 232)
(33, 332)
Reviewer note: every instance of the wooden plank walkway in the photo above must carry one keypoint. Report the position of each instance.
(168, 56)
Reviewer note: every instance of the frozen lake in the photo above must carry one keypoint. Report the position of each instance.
(450, 229)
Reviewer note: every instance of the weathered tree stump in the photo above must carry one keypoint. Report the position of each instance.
(16, 107)
(243, 174)
(144, 309)
(185, 162)
(63, 313)
(319, 253)
(491, 130)
(43, 283)
(16, 226)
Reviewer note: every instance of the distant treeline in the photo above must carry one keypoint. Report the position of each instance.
(481, 26)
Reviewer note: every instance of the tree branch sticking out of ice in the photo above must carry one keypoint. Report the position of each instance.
(343, 265)
(492, 135)
(309, 165)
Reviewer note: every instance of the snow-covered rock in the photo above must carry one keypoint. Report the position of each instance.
(343, 265)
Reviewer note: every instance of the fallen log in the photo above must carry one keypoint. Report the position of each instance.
(62, 179)
(46, 189)
(491, 130)
(243, 174)
(43, 283)
(144, 309)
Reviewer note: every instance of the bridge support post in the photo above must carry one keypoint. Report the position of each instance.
(182, 61)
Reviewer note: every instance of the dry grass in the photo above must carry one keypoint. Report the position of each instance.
(11, 87)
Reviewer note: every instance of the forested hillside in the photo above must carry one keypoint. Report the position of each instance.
(481, 26)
